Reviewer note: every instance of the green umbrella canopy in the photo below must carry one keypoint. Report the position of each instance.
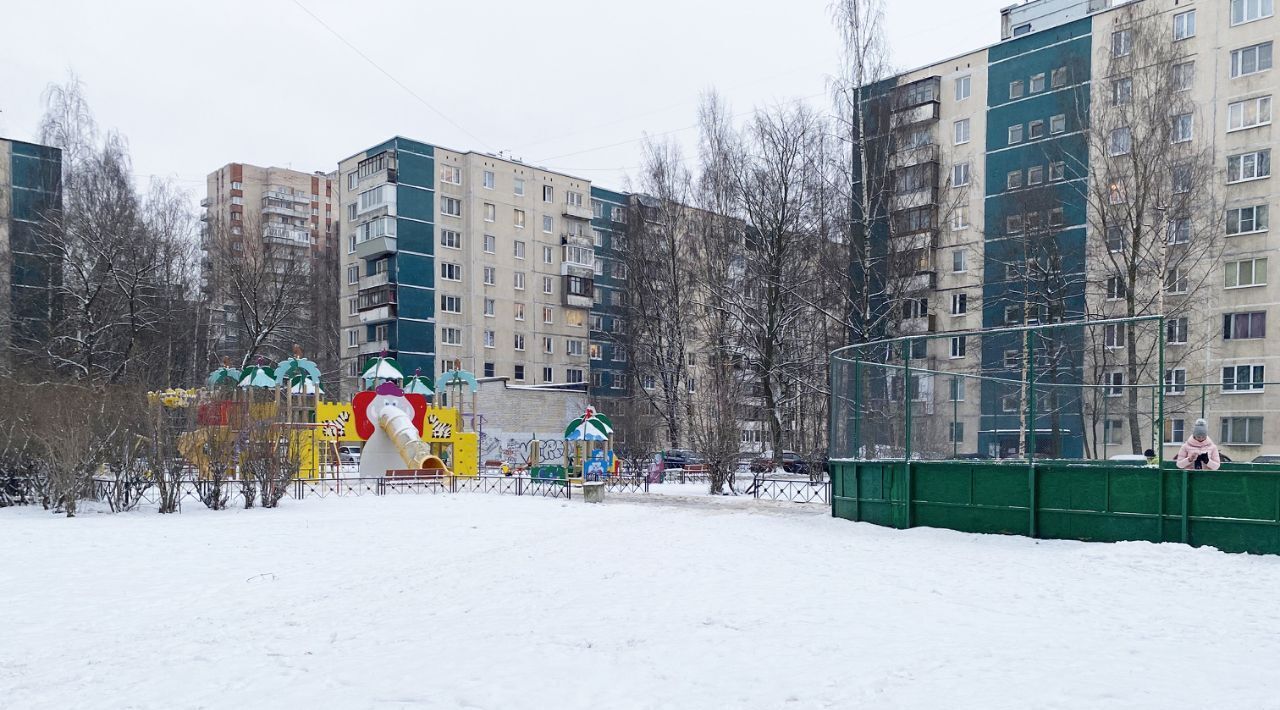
(258, 376)
(295, 366)
(225, 376)
(303, 384)
(418, 384)
(591, 426)
(381, 368)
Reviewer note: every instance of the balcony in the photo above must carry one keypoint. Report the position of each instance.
(378, 246)
(918, 198)
(914, 242)
(906, 156)
(368, 282)
(921, 281)
(378, 314)
(374, 347)
(287, 235)
(299, 213)
(916, 115)
(916, 326)
(577, 211)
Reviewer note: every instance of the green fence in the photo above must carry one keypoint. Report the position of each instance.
(1235, 509)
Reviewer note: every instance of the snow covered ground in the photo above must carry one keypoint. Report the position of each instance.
(475, 601)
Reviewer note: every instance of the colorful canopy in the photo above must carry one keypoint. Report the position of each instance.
(418, 384)
(591, 426)
(225, 376)
(257, 376)
(303, 384)
(381, 368)
(459, 376)
(297, 366)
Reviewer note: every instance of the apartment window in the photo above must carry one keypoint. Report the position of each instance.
(1183, 128)
(1013, 224)
(517, 280)
(490, 276)
(546, 375)
(957, 390)
(1244, 326)
(960, 174)
(597, 238)
(1121, 43)
(958, 261)
(595, 352)
(450, 271)
(490, 308)
(964, 87)
(450, 239)
(1013, 180)
(959, 219)
(648, 382)
(597, 209)
(490, 244)
(548, 315)
(1184, 25)
(619, 355)
(353, 335)
(517, 311)
(1116, 193)
(1246, 220)
(517, 217)
(1057, 171)
(490, 212)
(1115, 239)
(451, 336)
(1037, 84)
(1121, 91)
(1241, 430)
(1035, 130)
(1243, 11)
(1113, 431)
(1058, 77)
(548, 255)
(548, 345)
(1249, 113)
(1015, 89)
(518, 373)
(1249, 166)
(451, 206)
(573, 199)
(1120, 141)
(518, 249)
(573, 375)
(353, 306)
(960, 130)
(597, 379)
(1181, 179)
(450, 304)
(353, 274)
(1175, 331)
(548, 194)
(1056, 218)
(548, 224)
(1176, 281)
(1175, 431)
(488, 180)
(619, 215)
(1246, 273)
(957, 347)
(548, 285)
(1035, 175)
(1175, 381)
(1057, 124)
(1250, 60)
(1015, 134)
(1114, 382)
(1243, 378)
(451, 174)
(959, 304)
(597, 322)
(351, 243)
(573, 347)
(1113, 336)
(518, 343)
(518, 190)
(1009, 403)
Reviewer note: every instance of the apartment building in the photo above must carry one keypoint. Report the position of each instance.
(609, 378)
(30, 188)
(996, 177)
(247, 207)
(465, 260)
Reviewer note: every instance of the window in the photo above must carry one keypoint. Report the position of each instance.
(1175, 431)
(353, 335)
(1057, 124)
(1113, 336)
(1035, 175)
(957, 432)
(450, 271)
(1181, 179)
(1012, 359)
(964, 88)
(548, 194)
(959, 304)
(1179, 231)
(573, 199)
(548, 224)
(960, 174)
(620, 271)
(1013, 224)
(451, 174)
(1035, 130)
(518, 343)
(546, 375)
(1244, 326)
(1058, 78)
(1113, 431)
(1116, 192)
(597, 322)
(490, 308)
(1247, 273)
(518, 189)
(597, 238)
(1120, 142)
(1015, 89)
(490, 212)
(548, 315)
(595, 352)
(1243, 378)
(451, 336)
(517, 217)
(1037, 84)
(517, 281)
(1246, 220)
(517, 310)
(1249, 113)
(1249, 166)
(518, 248)
(451, 206)
(960, 131)
(1175, 331)
(648, 382)
(1115, 239)
(957, 347)
(1057, 170)
(1184, 25)
(488, 180)
(450, 239)
(1243, 11)
(958, 261)
(957, 390)
(1121, 43)
(490, 276)
(619, 214)
(1009, 403)
(450, 304)
(1184, 74)
(1114, 382)
(1183, 128)
(548, 255)
(1013, 180)
(1015, 134)
(548, 345)
(353, 306)
(1175, 381)
(597, 379)
(1012, 315)
(488, 341)
(1241, 430)
(573, 347)
(915, 308)
(1176, 281)
(490, 244)
(353, 274)
(959, 219)
(1250, 60)
(1056, 218)
(548, 285)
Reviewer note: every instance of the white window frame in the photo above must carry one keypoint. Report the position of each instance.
(1114, 383)
(449, 267)
(451, 336)
(1259, 218)
(1238, 113)
(963, 87)
(959, 347)
(1015, 134)
(1175, 381)
(1261, 160)
(1235, 270)
(1184, 25)
(490, 276)
(1184, 128)
(960, 175)
(447, 203)
(959, 304)
(1240, 11)
(1256, 381)
(488, 180)
(1238, 59)
(960, 132)
(450, 239)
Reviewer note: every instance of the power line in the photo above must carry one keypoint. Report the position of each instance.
(386, 73)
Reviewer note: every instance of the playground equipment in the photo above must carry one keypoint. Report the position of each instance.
(588, 446)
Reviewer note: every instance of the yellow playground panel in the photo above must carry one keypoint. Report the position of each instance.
(458, 450)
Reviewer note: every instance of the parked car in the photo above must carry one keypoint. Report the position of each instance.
(1266, 458)
(680, 458)
(349, 455)
(788, 461)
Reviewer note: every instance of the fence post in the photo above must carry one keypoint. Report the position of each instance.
(857, 405)
(1186, 507)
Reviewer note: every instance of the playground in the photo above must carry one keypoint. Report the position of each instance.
(516, 602)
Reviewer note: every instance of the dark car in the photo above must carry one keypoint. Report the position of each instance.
(680, 458)
(789, 461)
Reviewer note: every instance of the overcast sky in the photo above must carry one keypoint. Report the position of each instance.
(570, 84)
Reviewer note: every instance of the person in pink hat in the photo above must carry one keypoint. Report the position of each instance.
(1199, 452)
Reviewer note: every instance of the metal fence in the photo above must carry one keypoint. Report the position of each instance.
(794, 490)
